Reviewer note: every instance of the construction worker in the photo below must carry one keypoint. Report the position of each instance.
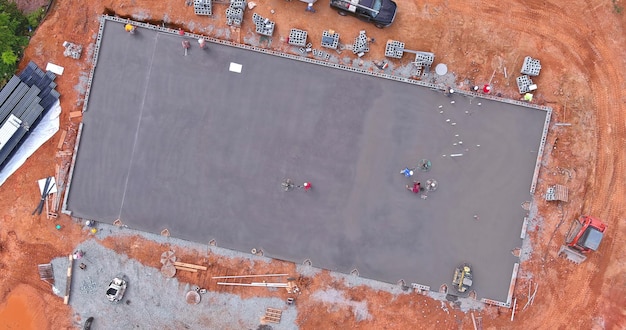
(407, 172)
(528, 97)
(416, 187)
(486, 89)
(129, 28)
(202, 43)
(309, 7)
(306, 186)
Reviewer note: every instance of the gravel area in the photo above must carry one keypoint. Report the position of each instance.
(152, 300)
(335, 300)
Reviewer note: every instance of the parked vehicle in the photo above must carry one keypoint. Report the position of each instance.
(116, 289)
(88, 323)
(379, 12)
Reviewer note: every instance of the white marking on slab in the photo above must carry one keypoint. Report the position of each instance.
(235, 67)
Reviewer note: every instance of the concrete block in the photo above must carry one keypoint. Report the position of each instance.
(297, 37)
(531, 66)
(425, 58)
(263, 25)
(523, 84)
(360, 44)
(394, 49)
(203, 7)
(330, 40)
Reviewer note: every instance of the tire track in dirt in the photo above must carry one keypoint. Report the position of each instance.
(610, 181)
(604, 180)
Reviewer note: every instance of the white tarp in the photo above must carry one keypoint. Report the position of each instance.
(56, 69)
(47, 127)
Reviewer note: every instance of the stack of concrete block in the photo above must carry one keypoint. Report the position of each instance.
(203, 7)
(320, 53)
(424, 58)
(330, 40)
(72, 50)
(525, 84)
(297, 37)
(263, 25)
(234, 12)
(361, 44)
(531, 66)
(394, 49)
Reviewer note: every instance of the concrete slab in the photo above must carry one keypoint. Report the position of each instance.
(180, 142)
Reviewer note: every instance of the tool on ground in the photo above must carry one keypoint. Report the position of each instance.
(45, 191)
(287, 184)
(584, 235)
(186, 46)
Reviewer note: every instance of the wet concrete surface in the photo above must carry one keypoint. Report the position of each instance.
(179, 142)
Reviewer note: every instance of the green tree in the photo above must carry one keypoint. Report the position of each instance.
(13, 38)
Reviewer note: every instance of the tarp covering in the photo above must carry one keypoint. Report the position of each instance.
(47, 127)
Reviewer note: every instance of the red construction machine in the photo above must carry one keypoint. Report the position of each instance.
(584, 235)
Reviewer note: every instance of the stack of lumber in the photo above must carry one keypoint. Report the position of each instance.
(188, 267)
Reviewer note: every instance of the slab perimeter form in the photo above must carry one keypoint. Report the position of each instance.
(180, 142)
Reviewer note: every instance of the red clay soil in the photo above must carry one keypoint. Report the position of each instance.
(580, 45)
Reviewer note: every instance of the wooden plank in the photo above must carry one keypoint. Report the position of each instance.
(474, 321)
(183, 264)
(186, 269)
(75, 114)
(62, 139)
(63, 153)
(66, 299)
(244, 276)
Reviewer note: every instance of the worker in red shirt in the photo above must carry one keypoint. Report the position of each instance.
(306, 186)
(416, 187)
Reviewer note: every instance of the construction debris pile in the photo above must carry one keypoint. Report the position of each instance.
(361, 44)
(72, 50)
(557, 193)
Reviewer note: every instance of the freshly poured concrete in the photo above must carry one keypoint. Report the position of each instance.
(180, 142)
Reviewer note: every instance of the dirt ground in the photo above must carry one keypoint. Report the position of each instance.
(580, 45)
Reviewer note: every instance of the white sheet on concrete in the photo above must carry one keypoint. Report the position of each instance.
(235, 67)
(47, 127)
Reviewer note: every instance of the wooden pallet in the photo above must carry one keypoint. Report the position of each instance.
(272, 315)
(46, 273)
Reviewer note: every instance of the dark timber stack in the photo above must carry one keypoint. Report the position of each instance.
(24, 100)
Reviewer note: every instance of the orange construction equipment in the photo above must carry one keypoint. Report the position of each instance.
(584, 235)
